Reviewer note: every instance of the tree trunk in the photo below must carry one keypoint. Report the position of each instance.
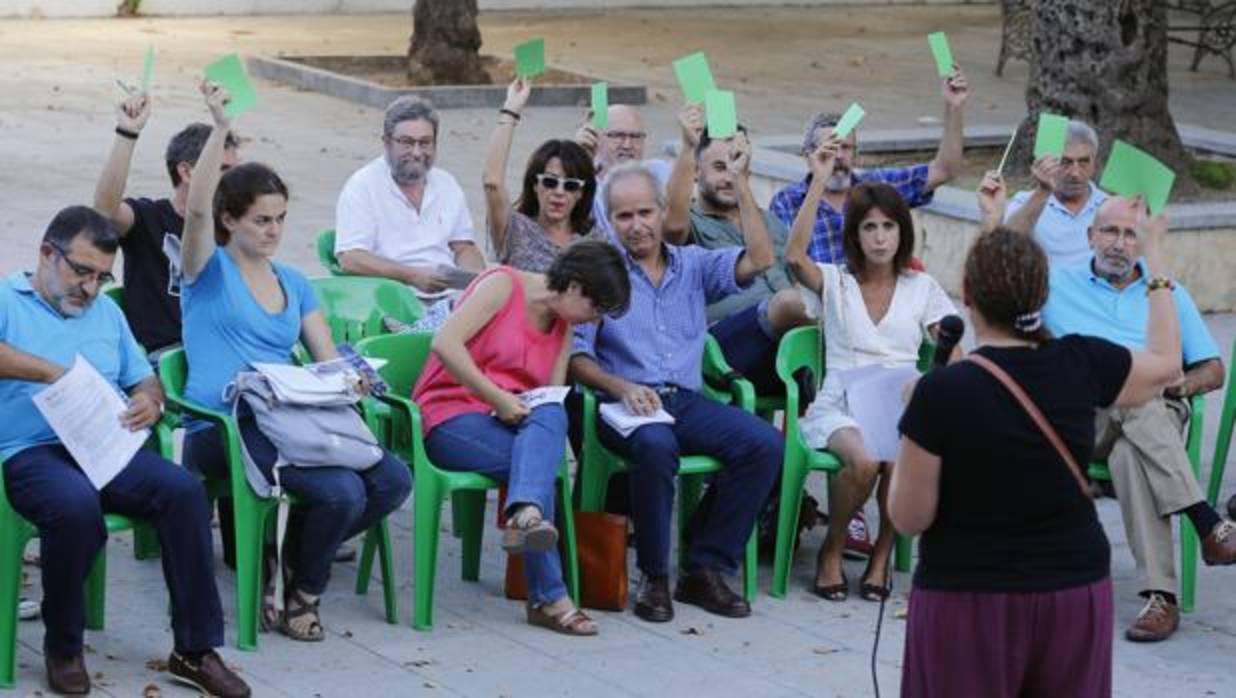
(1104, 63)
(445, 45)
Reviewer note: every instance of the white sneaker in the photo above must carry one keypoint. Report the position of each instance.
(27, 609)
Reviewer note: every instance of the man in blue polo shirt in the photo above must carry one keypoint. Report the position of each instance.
(1144, 447)
(46, 320)
(1061, 207)
(650, 358)
(824, 206)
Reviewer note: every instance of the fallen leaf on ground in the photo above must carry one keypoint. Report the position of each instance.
(824, 650)
(151, 691)
(692, 631)
(901, 613)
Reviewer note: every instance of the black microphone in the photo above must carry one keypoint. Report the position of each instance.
(948, 334)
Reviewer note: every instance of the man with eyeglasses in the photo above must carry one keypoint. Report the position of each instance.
(150, 229)
(1144, 446)
(1061, 207)
(401, 218)
(622, 141)
(915, 183)
(48, 320)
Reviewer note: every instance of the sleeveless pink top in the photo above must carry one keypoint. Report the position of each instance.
(510, 350)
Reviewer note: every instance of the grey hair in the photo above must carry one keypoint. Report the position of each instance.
(824, 119)
(408, 108)
(1081, 132)
(626, 171)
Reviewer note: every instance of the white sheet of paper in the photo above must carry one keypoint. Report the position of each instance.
(544, 395)
(616, 415)
(873, 399)
(84, 410)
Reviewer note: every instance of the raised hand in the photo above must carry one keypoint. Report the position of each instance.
(956, 89)
(517, 94)
(132, 113)
(586, 136)
(824, 158)
(217, 98)
(1046, 170)
(740, 155)
(691, 121)
(992, 198)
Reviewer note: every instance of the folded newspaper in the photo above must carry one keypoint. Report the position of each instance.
(624, 422)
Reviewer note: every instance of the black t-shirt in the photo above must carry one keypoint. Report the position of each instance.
(151, 281)
(1010, 516)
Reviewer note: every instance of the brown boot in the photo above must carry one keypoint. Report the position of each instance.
(67, 676)
(1158, 619)
(1219, 548)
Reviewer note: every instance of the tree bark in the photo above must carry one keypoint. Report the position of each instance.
(1104, 63)
(445, 44)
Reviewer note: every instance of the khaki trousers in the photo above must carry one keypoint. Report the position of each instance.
(1145, 452)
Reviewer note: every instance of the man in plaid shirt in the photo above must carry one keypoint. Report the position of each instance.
(915, 183)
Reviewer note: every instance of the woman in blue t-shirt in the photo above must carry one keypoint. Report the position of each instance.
(1012, 594)
(240, 307)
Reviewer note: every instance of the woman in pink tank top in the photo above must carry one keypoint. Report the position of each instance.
(510, 334)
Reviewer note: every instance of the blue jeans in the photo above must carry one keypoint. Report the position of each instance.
(48, 489)
(335, 503)
(751, 452)
(526, 457)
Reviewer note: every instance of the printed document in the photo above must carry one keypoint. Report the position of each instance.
(873, 399)
(616, 415)
(544, 395)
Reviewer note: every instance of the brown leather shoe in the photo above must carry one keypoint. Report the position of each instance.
(209, 675)
(652, 603)
(707, 589)
(67, 676)
(1219, 548)
(1158, 619)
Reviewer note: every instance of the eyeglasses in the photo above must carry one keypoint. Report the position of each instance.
(626, 135)
(569, 185)
(406, 142)
(82, 271)
(1111, 233)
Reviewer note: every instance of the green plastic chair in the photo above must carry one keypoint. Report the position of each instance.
(1224, 441)
(16, 532)
(406, 355)
(801, 348)
(326, 253)
(253, 514)
(598, 464)
(354, 306)
(1189, 544)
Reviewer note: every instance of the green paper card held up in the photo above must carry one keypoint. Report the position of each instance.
(1050, 135)
(722, 114)
(849, 120)
(1130, 172)
(147, 68)
(942, 52)
(230, 72)
(530, 58)
(694, 77)
(600, 106)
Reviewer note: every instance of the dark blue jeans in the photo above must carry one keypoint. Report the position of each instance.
(335, 503)
(749, 349)
(751, 452)
(46, 487)
(526, 457)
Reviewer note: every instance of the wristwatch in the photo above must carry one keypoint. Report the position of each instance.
(1159, 282)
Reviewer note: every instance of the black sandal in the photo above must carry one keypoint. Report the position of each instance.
(874, 592)
(295, 607)
(833, 592)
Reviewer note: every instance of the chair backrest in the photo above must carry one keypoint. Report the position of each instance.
(173, 372)
(405, 356)
(354, 306)
(799, 348)
(116, 293)
(326, 252)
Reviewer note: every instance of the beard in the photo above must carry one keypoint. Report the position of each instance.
(407, 171)
(717, 200)
(1114, 267)
(839, 181)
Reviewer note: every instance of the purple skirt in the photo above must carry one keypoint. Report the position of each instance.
(1019, 645)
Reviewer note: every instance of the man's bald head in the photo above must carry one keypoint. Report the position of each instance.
(623, 140)
(1113, 237)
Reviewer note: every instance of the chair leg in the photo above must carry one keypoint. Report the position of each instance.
(903, 552)
(145, 542)
(471, 507)
(793, 477)
(387, 559)
(1188, 565)
(10, 589)
(250, 532)
(96, 592)
(427, 505)
(364, 570)
(567, 513)
(751, 566)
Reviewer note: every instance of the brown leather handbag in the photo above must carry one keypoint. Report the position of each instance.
(601, 542)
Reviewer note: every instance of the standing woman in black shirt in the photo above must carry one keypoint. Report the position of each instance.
(1012, 596)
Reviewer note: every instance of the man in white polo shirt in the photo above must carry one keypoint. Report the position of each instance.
(401, 218)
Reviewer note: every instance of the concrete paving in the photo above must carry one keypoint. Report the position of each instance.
(56, 121)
